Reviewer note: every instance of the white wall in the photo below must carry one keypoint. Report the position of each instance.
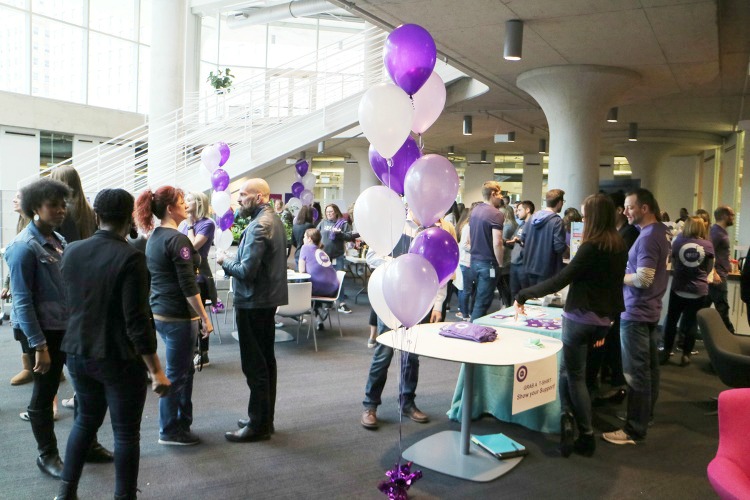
(474, 176)
(674, 184)
(707, 201)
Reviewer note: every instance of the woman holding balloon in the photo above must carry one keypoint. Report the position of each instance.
(200, 229)
(335, 231)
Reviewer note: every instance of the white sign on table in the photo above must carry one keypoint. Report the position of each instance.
(534, 384)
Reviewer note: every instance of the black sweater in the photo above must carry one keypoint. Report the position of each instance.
(172, 261)
(595, 279)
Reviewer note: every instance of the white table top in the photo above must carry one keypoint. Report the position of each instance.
(291, 275)
(356, 260)
(509, 348)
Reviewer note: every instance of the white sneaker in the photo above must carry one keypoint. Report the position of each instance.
(618, 437)
(69, 403)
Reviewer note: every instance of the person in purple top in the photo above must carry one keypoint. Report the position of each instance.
(200, 231)
(314, 261)
(692, 259)
(486, 235)
(643, 288)
(717, 291)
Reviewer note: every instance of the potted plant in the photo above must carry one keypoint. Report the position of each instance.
(220, 80)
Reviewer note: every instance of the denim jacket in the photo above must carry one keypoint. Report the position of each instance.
(38, 293)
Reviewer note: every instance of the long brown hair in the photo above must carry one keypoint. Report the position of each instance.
(150, 204)
(599, 224)
(78, 208)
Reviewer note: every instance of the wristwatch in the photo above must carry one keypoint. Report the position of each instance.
(191, 228)
(41, 348)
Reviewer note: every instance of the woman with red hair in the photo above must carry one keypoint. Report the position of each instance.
(176, 305)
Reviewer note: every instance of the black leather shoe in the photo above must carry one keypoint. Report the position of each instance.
(243, 422)
(567, 430)
(51, 465)
(585, 445)
(68, 490)
(246, 435)
(98, 454)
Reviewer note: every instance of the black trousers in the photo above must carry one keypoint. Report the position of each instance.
(43, 393)
(256, 330)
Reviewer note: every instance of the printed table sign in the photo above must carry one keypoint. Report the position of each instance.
(535, 383)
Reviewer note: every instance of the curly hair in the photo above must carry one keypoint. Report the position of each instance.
(114, 206)
(37, 193)
(150, 204)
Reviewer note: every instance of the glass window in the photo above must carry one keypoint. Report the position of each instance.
(53, 148)
(114, 17)
(113, 72)
(145, 36)
(72, 11)
(242, 46)
(64, 48)
(14, 58)
(144, 73)
(210, 40)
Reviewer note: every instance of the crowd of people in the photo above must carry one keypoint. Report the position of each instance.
(90, 293)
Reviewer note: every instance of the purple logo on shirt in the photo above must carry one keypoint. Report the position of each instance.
(185, 253)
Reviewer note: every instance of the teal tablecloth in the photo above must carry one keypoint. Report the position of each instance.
(493, 385)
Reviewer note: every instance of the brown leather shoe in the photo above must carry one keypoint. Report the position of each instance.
(416, 414)
(369, 419)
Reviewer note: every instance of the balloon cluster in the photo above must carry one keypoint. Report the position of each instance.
(302, 188)
(403, 291)
(213, 157)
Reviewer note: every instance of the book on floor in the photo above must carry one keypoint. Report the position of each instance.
(500, 445)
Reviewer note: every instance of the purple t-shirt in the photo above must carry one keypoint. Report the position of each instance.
(207, 228)
(325, 283)
(484, 218)
(690, 258)
(650, 250)
(720, 241)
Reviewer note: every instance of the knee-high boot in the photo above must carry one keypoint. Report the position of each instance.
(68, 490)
(43, 426)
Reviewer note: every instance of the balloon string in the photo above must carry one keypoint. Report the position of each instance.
(421, 143)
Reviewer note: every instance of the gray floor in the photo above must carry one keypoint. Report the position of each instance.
(320, 450)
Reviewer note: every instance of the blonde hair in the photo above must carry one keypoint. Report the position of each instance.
(202, 206)
(695, 227)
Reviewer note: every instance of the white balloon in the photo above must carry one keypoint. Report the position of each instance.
(377, 299)
(294, 205)
(224, 239)
(221, 202)
(306, 197)
(380, 216)
(385, 115)
(211, 157)
(308, 181)
(429, 102)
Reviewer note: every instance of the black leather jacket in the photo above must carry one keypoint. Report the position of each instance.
(259, 271)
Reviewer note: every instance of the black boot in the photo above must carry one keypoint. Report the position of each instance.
(128, 496)
(43, 426)
(68, 491)
(567, 433)
(98, 454)
(585, 445)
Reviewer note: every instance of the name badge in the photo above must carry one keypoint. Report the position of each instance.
(492, 272)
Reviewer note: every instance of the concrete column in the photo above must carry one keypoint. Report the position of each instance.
(169, 19)
(606, 168)
(358, 177)
(474, 176)
(533, 177)
(644, 159)
(575, 100)
(743, 219)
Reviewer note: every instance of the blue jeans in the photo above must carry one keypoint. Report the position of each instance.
(640, 363)
(517, 280)
(486, 286)
(120, 386)
(381, 360)
(466, 296)
(340, 265)
(176, 408)
(574, 394)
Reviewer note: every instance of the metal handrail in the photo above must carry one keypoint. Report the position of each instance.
(262, 106)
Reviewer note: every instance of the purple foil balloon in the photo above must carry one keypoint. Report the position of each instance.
(301, 167)
(409, 55)
(440, 249)
(410, 285)
(226, 220)
(394, 176)
(220, 179)
(297, 189)
(224, 150)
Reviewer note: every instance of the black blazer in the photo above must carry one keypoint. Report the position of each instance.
(106, 282)
(595, 279)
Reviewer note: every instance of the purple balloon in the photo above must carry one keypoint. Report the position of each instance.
(409, 287)
(224, 150)
(226, 220)
(301, 167)
(297, 189)
(394, 176)
(315, 213)
(220, 179)
(409, 55)
(440, 249)
(430, 187)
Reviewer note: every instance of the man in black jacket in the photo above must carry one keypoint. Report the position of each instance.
(260, 286)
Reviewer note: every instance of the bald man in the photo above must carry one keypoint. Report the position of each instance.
(260, 286)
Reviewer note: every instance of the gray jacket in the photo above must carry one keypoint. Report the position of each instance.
(259, 271)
